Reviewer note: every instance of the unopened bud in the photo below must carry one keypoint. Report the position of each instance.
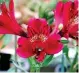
(60, 26)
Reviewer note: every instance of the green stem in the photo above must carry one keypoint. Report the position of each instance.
(32, 69)
(37, 69)
(62, 62)
(35, 66)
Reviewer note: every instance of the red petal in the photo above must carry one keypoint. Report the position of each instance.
(41, 56)
(73, 30)
(37, 26)
(11, 7)
(8, 25)
(58, 12)
(58, 15)
(25, 48)
(52, 45)
(66, 13)
(4, 31)
(76, 7)
(3, 8)
(44, 29)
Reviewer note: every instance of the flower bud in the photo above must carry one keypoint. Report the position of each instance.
(60, 26)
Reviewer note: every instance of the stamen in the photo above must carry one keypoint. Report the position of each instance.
(40, 37)
(34, 38)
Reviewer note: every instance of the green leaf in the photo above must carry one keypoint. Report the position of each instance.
(6, 40)
(45, 11)
(65, 51)
(42, 10)
(3, 46)
(74, 62)
(2, 37)
(64, 0)
(52, 4)
(50, 15)
(47, 15)
(50, 21)
(7, 2)
(1, 1)
(47, 60)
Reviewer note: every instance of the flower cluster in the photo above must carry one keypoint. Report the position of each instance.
(39, 40)
(66, 14)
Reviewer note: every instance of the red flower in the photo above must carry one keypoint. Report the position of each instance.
(40, 41)
(8, 23)
(66, 14)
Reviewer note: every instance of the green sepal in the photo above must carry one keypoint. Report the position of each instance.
(47, 60)
(65, 41)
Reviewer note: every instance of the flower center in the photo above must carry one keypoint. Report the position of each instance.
(40, 37)
(38, 51)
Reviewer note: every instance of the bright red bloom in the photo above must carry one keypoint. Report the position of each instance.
(8, 23)
(40, 41)
(66, 14)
